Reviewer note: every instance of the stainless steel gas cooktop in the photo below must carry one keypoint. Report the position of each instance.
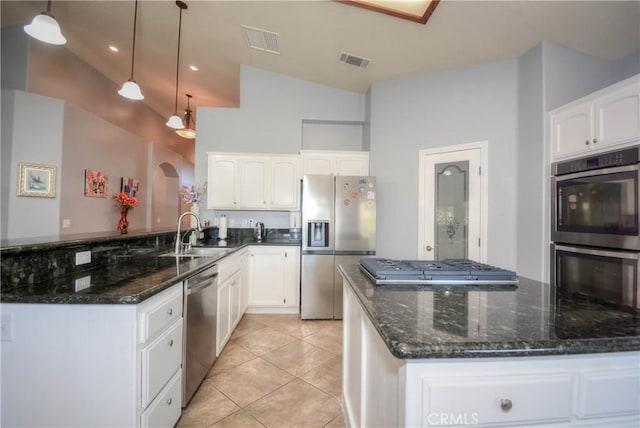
(449, 271)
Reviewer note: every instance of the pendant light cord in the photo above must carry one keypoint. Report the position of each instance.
(49, 7)
(175, 108)
(133, 50)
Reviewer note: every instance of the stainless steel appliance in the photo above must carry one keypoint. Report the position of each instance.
(200, 313)
(595, 200)
(339, 226)
(425, 272)
(609, 275)
(259, 232)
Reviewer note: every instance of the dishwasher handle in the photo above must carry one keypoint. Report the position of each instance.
(201, 281)
(200, 286)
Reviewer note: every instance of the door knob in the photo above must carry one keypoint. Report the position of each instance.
(429, 248)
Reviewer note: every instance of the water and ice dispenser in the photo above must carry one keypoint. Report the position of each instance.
(318, 233)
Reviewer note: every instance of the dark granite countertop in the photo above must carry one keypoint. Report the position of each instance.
(129, 278)
(532, 319)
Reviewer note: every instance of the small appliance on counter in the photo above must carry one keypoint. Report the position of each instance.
(259, 232)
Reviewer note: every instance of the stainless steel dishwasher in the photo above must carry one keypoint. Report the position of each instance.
(200, 312)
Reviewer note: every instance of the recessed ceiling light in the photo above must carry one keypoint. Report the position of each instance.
(193, 68)
(113, 48)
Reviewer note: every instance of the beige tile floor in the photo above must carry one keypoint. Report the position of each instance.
(275, 371)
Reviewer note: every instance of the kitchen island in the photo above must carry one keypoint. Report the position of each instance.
(486, 355)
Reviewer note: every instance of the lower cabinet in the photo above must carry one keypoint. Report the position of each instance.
(554, 391)
(275, 279)
(97, 365)
(231, 289)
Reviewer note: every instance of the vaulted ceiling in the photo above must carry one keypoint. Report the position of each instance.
(312, 34)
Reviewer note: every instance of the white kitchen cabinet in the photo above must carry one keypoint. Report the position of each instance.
(245, 278)
(600, 121)
(323, 162)
(254, 181)
(275, 279)
(222, 190)
(552, 391)
(97, 365)
(229, 298)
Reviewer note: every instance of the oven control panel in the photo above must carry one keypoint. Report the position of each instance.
(603, 160)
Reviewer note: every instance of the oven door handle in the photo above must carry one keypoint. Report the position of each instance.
(592, 252)
(594, 172)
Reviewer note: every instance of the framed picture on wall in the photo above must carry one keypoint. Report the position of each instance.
(36, 180)
(96, 183)
(130, 186)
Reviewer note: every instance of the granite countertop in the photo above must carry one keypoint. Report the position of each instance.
(129, 277)
(532, 319)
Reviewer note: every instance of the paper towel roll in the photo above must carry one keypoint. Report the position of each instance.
(222, 228)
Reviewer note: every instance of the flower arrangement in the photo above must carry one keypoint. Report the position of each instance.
(194, 194)
(125, 202)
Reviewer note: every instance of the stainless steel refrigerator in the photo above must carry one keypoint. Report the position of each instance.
(339, 227)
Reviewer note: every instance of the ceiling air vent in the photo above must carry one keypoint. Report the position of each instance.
(261, 40)
(351, 59)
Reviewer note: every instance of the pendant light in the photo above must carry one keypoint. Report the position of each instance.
(174, 121)
(130, 89)
(45, 28)
(189, 131)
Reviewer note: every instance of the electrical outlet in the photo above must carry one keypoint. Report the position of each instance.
(66, 223)
(82, 283)
(83, 257)
(6, 327)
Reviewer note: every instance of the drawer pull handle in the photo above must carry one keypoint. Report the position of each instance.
(586, 143)
(171, 342)
(595, 141)
(170, 311)
(505, 404)
(169, 401)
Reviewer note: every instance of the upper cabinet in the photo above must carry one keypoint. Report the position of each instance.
(607, 118)
(321, 162)
(254, 182)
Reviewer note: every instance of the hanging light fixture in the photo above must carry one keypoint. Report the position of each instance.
(45, 28)
(189, 131)
(130, 89)
(174, 121)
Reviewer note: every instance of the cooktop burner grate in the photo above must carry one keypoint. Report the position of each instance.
(449, 271)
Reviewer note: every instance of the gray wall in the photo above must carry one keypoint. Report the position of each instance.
(441, 109)
(93, 143)
(270, 120)
(32, 132)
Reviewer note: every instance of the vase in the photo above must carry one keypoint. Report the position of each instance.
(123, 224)
(195, 210)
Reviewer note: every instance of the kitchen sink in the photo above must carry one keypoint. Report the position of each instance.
(199, 252)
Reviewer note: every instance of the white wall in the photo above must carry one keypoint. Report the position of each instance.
(269, 120)
(34, 135)
(441, 109)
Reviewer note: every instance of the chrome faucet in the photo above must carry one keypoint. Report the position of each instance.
(178, 238)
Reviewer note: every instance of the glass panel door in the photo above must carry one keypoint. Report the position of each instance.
(451, 210)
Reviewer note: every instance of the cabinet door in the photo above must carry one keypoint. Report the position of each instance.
(617, 116)
(235, 300)
(318, 163)
(245, 278)
(224, 316)
(571, 130)
(291, 277)
(284, 183)
(223, 179)
(352, 164)
(267, 276)
(253, 183)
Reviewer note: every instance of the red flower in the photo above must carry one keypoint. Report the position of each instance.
(124, 201)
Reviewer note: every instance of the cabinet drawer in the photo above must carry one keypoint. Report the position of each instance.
(160, 312)
(166, 408)
(160, 360)
(496, 400)
(609, 393)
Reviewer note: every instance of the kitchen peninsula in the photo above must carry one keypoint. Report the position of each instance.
(486, 355)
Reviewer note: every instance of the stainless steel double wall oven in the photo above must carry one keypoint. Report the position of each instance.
(595, 226)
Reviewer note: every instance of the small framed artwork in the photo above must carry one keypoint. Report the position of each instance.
(36, 180)
(96, 183)
(130, 186)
